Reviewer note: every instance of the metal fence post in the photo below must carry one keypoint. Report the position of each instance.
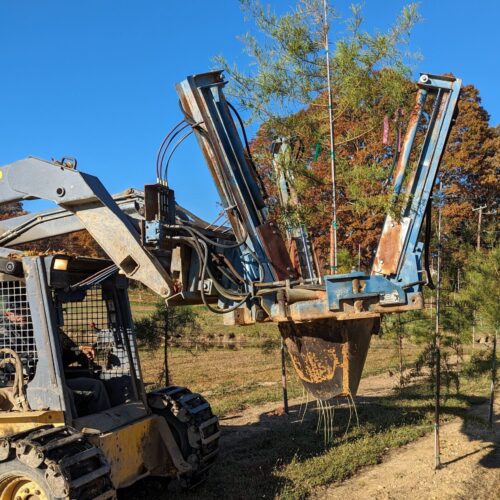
(283, 376)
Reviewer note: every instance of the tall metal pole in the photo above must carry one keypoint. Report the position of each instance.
(437, 348)
(400, 348)
(283, 376)
(333, 228)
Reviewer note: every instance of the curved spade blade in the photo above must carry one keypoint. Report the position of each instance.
(329, 355)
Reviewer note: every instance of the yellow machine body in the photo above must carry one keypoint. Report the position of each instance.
(14, 422)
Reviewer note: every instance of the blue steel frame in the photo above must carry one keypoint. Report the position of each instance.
(203, 100)
(396, 282)
(399, 287)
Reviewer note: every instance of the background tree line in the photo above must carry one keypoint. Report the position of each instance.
(285, 93)
(373, 92)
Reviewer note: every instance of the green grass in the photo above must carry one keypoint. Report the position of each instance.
(233, 379)
(230, 379)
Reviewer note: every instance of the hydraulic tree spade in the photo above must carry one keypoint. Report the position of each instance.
(75, 419)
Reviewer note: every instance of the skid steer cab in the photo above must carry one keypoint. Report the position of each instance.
(75, 420)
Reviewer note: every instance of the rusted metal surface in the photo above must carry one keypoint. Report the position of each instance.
(189, 105)
(328, 356)
(390, 246)
(221, 161)
(276, 251)
(208, 112)
(394, 231)
(399, 171)
(414, 178)
(317, 308)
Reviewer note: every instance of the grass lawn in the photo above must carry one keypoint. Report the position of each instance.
(233, 379)
(385, 423)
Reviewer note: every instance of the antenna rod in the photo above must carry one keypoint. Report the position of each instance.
(333, 228)
(437, 343)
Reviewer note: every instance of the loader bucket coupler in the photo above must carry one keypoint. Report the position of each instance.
(328, 355)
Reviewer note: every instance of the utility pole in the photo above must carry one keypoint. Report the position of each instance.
(479, 220)
(493, 378)
(437, 348)
(333, 228)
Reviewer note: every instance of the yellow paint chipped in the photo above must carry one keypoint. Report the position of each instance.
(18, 421)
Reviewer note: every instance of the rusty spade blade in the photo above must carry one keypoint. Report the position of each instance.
(328, 355)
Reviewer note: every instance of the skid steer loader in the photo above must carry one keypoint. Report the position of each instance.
(75, 420)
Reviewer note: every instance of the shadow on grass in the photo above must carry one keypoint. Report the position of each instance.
(476, 427)
(280, 455)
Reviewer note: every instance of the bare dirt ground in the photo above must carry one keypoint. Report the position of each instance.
(470, 455)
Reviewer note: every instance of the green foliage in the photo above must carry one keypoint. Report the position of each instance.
(355, 179)
(481, 291)
(449, 373)
(414, 325)
(346, 261)
(480, 362)
(289, 67)
(178, 324)
(269, 346)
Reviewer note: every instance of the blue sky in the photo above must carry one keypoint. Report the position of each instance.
(95, 79)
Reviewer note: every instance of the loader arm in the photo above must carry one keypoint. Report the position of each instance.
(91, 207)
(60, 221)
